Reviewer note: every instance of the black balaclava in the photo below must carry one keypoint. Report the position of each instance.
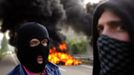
(105, 47)
(26, 54)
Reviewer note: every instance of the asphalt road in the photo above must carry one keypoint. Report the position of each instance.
(76, 70)
(9, 62)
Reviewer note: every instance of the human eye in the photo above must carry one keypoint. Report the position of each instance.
(44, 42)
(34, 42)
(117, 26)
(100, 28)
(121, 29)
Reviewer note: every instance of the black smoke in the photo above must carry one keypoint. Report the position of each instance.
(47, 12)
(77, 16)
(15, 12)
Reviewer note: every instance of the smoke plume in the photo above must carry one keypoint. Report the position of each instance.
(76, 16)
(47, 12)
(15, 12)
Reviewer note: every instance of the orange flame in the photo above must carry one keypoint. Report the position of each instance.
(63, 46)
(62, 57)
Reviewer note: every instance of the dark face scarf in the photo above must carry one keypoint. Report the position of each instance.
(26, 54)
(116, 57)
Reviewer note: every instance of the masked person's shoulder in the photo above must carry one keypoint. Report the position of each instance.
(51, 66)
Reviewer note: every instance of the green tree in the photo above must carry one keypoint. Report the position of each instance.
(78, 46)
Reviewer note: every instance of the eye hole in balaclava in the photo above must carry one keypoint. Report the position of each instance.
(32, 43)
(35, 42)
(44, 42)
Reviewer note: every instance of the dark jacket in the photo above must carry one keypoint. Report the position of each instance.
(51, 69)
(122, 8)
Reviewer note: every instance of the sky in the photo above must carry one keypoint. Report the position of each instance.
(1, 36)
(92, 1)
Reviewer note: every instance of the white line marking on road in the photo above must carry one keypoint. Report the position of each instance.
(87, 66)
(62, 69)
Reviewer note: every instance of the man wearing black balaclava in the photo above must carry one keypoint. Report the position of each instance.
(113, 38)
(32, 44)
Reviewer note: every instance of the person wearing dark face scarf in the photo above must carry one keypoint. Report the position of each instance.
(32, 43)
(113, 38)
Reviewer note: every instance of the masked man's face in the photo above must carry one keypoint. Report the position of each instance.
(33, 47)
(33, 43)
(114, 47)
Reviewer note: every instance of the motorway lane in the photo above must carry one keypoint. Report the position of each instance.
(76, 70)
(10, 61)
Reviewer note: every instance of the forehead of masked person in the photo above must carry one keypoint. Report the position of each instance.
(29, 31)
